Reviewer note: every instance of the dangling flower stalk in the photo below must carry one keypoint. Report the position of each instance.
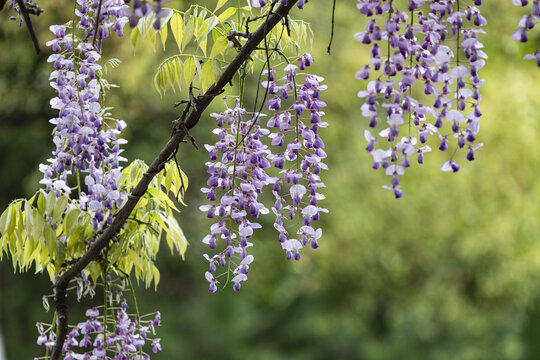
(422, 39)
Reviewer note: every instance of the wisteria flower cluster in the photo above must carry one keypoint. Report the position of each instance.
(526, 24)
(239, 171)
(241, 174)
(297, 132)
(84, 142)
(424, 64)
(108, 333)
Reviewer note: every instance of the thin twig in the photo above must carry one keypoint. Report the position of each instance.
(98, 14)
(333, 24)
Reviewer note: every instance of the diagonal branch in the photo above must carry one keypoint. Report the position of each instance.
(26, 17)
(188, 121)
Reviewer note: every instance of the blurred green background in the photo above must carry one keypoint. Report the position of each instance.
(451, 271)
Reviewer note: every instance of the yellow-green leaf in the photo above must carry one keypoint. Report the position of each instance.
(189, 70)
(177, 27)
(156, 82)
(134, 257)
(155, 273)
(202, 45)
(5, 219)
(134, 36)
(178, 74)
(168, 180)
(207, 76)
(220, 3)
(220, 45)
(168, 70)
(163, 35)
(189, 28)
(41, 202)
(227, 14)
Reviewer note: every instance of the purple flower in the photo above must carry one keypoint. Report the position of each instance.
(420, 56)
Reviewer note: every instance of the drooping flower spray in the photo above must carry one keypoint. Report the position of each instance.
(85, 142)
(239, 169)
(424, 68)
(87, 159)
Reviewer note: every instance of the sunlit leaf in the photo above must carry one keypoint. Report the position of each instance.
(219, 4)
(227, 14)
(189, 70)
(207, 76)
(189, 29)
(134, 36)
(177, 27)
(220, 45)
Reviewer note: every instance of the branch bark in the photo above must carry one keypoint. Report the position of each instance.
(26, 17)
(189, 120)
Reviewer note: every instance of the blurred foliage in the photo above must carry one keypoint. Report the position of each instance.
(451, 271)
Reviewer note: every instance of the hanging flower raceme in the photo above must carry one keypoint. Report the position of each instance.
(299, 158)
(85, 143)
(237, 176)
(109, 332)
(526, 24)
(411, 53)
(238, 173)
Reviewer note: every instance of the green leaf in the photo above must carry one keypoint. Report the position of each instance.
(220, 45)
(41, 203)
(71, 221)
(227, 14)
(207, 76)
(59, 208)
(50, 238)
(198, 67)
(60, 253)
(50, 200)
(177, 27)
(216, 68)
(178, 73)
